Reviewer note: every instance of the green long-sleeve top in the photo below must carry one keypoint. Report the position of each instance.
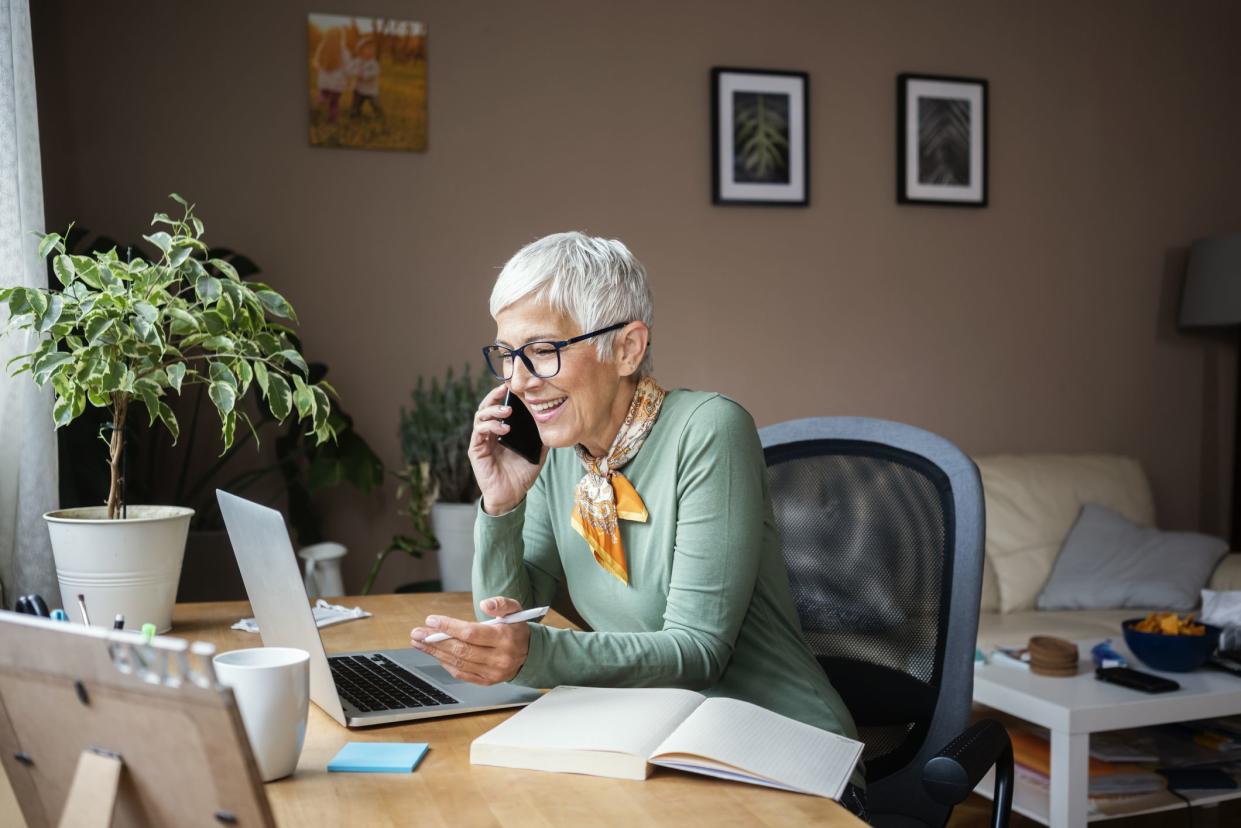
(707, 606)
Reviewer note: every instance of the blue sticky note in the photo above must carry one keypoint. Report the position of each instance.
(378, 757)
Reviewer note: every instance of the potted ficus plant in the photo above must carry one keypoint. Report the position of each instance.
(122, 333)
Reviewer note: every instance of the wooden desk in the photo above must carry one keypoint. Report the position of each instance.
(447, 790)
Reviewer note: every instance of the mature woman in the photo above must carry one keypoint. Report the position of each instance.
(650, 507)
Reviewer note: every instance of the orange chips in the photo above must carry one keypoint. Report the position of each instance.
(1169, 623)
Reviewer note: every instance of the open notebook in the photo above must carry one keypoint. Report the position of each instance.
(621, 732)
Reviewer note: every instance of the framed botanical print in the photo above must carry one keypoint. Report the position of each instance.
(941, 141)
(759, 137)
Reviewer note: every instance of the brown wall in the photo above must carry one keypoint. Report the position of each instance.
(1044, 322)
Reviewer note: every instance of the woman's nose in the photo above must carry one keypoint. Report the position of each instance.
(522, 377)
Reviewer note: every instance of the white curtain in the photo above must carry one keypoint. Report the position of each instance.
(27, 438)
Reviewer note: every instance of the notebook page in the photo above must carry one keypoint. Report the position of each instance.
(623, 720)
(752, 741)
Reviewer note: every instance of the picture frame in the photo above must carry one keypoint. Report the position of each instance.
(941, 140)
(760, 134)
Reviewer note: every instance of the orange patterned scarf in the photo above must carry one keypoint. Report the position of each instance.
(604, 495)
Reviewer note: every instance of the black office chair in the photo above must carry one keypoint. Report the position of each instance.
(882, 531)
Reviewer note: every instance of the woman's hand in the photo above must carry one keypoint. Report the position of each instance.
(478, 653)
(503, 476)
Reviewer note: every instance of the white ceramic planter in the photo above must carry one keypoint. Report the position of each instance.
(321, 572)
(129, 566)
(453, 525)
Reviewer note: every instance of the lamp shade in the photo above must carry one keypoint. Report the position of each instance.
(1213, 283)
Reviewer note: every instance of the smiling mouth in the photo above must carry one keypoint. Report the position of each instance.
(544, 407)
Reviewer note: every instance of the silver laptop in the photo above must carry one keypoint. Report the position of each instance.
(355, 689)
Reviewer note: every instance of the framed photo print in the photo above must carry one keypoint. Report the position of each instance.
(759, 135)
(941, 141)
(368, 82)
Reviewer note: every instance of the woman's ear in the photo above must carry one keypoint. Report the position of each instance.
(630, 346)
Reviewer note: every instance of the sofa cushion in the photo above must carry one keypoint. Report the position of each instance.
(1015, 628)
(1032, 502)
(1227, 575)
(1108, 562)
(990, 601)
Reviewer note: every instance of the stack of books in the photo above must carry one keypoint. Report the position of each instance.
(1032, 758)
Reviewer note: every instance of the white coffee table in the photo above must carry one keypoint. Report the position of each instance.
(1073, 708)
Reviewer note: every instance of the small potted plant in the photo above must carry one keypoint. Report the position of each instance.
(121, 334)
(437, 483)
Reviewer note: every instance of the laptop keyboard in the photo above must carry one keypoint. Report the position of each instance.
(374, 683)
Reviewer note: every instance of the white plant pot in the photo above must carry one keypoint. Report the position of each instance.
(453, 525)
(321, 570)
(128, 567)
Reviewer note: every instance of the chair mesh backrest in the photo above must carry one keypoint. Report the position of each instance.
(867, 535)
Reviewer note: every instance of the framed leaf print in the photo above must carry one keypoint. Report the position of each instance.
(941, 141)
(760, 132)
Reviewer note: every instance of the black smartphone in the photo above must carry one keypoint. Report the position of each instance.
(523, 434)
(1136, 680)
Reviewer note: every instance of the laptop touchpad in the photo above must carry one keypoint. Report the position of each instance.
(437, 673)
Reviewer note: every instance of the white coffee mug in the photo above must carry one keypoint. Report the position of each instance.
(272, 688)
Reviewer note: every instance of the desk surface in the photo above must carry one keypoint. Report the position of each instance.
(446, 789)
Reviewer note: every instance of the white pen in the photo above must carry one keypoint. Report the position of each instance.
(515, 618)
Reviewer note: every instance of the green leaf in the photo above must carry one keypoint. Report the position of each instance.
(279, 397)
(49, 317)
(225, 268)
(47, 364)
(229, 426)
(322, 408)
(161, 240)
(107, 278)
(87, 270)
(296, 359)
(208, 289)
(268, 343)
(147, 311)
(62, 266)
(223, 395)
(302, 398)
(225, 307)
(275, 304)
(37, 300)
(219, 343)
(176, 373)
(216, 324)
(170, 421)
(113, 377)
(244, 376)
(260, 374)
(179, 200)
(147, 391)
(219, 372)
(179, 255)
(145, 331)
(48, 242)
(62, 411)
(182, 321)
(97, 330)
(198, 225)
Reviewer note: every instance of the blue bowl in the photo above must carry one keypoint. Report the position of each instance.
(1172, 653)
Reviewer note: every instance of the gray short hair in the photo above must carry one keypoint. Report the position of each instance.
(596, 282)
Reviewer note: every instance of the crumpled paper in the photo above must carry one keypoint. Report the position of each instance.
(325, 616)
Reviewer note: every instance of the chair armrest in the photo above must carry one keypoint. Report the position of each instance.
(960, 766)
(1227, 575)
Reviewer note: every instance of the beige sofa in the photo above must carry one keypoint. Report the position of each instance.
(1032, 502)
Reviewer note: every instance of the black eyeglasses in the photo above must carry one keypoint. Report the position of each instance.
(541, 358)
